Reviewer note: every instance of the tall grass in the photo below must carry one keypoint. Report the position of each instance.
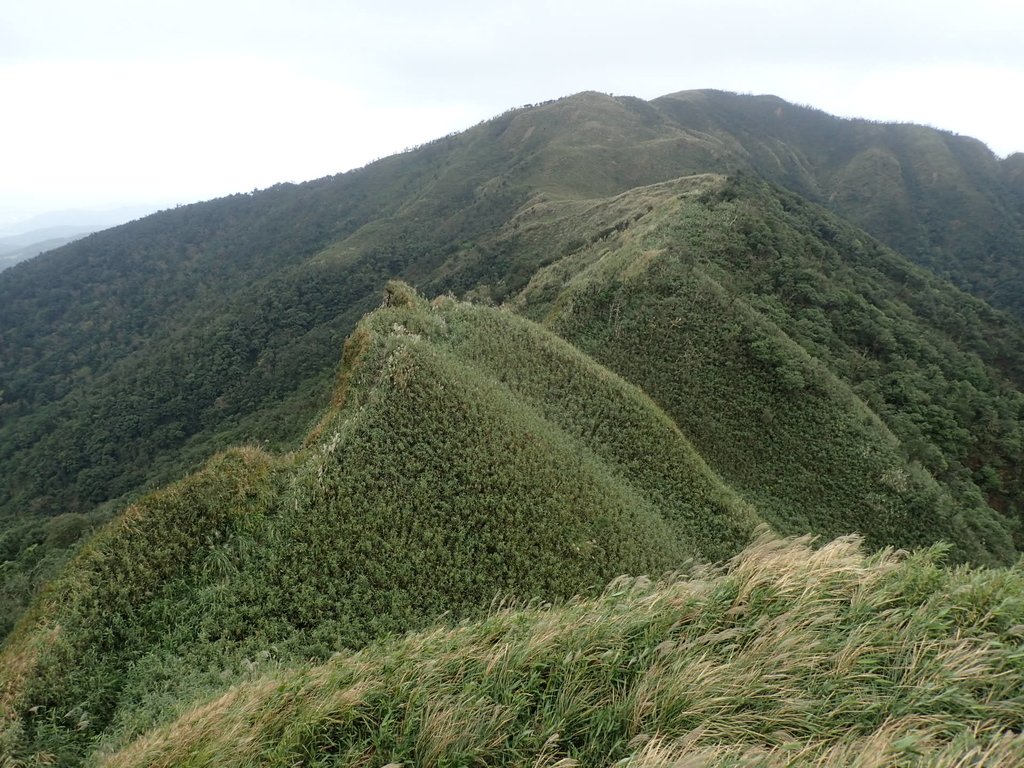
(784, 655)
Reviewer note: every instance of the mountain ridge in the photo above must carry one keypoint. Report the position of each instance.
(464, 442)
(135, 354)
(696, 345)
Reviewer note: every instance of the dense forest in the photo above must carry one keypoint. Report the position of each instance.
(591, 337)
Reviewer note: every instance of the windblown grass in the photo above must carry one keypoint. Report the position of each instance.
(784, 655)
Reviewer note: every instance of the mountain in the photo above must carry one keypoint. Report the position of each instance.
(943, 200)
(812, 368)
(466, 444)
(136, 353)
(251, 295)
(721, 317)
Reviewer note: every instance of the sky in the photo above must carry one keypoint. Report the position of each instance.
(113, 103)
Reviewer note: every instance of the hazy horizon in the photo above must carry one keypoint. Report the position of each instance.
(173, 103)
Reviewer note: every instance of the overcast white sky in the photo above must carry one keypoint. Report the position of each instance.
(113, 102)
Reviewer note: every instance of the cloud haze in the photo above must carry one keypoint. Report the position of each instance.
(117, 101)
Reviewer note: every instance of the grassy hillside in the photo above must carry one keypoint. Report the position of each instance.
(149, 346)
(944, 201)
(730, 305)
(835, 385)
(131, 357)
(785, 655)
(468, 455)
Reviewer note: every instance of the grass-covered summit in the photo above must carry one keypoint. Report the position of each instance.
(468, 455)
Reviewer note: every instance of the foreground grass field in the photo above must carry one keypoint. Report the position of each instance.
(783, 655)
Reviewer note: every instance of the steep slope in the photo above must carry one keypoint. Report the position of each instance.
(214, 323)
(776, 337)
(469, 455)
(785, 656)
(945, 201)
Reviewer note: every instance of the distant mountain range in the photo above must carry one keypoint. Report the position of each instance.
(15, 248)
(594, 336)
(44, 232)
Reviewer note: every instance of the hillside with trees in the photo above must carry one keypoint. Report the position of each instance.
(249, 445)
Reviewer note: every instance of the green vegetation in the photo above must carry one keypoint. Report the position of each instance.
(944, 201)
(697, 343)
(33, 552)
(785, 655)
(814, 370)
(470, 455)
(136, 353)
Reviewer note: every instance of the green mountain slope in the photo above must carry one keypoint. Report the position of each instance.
(827, 379)
(944, 201)
(237, 295)
(785, 656)
(232, 292)
(469, 455)
(132, 356)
